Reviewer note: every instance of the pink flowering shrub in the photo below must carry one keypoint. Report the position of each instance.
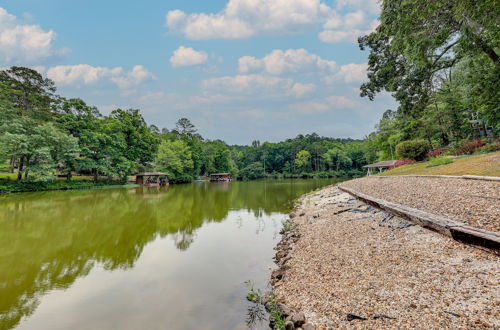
(402, 162)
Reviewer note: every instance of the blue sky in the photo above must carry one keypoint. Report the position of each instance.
(241, 70)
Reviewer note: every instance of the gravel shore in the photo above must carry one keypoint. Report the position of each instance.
(474, 202)
(352, 260)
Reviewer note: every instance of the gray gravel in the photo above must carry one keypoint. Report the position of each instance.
(394, 275)
(474, 202)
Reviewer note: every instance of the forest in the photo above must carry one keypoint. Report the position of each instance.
(44, 135)
(438, 59)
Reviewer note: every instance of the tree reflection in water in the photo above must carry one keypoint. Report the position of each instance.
(49, 239)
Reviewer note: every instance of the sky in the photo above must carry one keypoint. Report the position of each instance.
(240, 70)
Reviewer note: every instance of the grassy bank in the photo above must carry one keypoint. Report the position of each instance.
(485, 164)
(11, 186)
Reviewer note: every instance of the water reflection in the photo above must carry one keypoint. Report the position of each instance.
(48, 240)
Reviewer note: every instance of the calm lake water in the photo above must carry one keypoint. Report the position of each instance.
(140, 258)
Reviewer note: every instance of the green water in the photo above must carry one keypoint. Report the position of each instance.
(139, 258)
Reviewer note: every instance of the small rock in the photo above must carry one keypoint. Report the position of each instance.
(284, 309)
(308, 326)
(351, 317)
(298, 319)
(289, 325)
(280, 255)
(302, 214)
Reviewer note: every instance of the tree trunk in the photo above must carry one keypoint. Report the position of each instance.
(20, 169)
(12, 164)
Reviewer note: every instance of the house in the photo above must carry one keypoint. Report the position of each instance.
(381, 166)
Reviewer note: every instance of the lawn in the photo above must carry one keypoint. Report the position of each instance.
(485, 164)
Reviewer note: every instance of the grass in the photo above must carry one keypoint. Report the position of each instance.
(485, 164)
(437, 161)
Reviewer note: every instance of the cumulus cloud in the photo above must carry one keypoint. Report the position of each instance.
(138, 75)
(349, 73)
(326, 104)
(243, 19)
(187, 56)
(372, 6)
(289, 61)
(25, 44)
(299, 90)
(248, 84)
(87, 74)
(342, 29)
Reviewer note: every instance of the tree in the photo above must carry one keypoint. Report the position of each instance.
(185, 127)
(174, 158)
(253, 171)
(37, 149)
(31, 94)
(418, 41)
(302, 160)
(337, 159)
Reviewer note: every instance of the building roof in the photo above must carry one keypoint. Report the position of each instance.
(219, 174)
(385, 163)
(151, 174)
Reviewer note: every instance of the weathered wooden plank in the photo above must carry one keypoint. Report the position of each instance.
(454, 229)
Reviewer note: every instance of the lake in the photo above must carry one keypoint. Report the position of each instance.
(173, 257)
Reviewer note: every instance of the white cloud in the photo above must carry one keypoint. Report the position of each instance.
(243, 18)
(138, 75)
(349, 73)
(248, 84)
(372, 6)
(289, 61)
(24, 44)
(341, 29)
(326, 104)
(87, 74)
(299, 90)
(186, 56)
(246, 18)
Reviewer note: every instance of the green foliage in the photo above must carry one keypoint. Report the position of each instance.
(439, 59)
(413, 149)
(302, 160)
(253, 171)
(174, 158)
(42, 134)
(287, 225)
(10, 186)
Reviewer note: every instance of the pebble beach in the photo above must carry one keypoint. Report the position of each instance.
(347, 265)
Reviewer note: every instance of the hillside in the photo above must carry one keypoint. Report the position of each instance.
(485, 164)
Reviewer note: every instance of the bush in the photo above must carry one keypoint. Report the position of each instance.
(469, 147)
(491, 147)
(402, 162)
(436, 152)
(413, 149)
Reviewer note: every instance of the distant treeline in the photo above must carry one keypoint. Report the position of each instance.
(43, 135)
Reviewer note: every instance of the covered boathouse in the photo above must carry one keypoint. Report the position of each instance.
(217, 177)
(381, 166)
(151, 179)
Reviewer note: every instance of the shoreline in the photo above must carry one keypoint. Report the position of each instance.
(346, 264)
